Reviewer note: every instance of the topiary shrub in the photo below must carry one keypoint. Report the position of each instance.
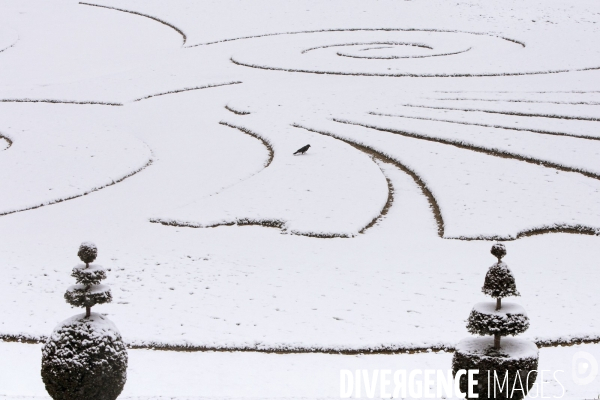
(513, 360)
(85, 357)
(87, 252)
(511, 319)
(508, 373)
(88, 291)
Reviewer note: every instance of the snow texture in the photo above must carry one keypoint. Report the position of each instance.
(512, 348)
(8, 38)
(369, 259)
(162, 375)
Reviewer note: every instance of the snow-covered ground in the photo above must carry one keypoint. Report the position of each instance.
(231, 375)
(165, 124)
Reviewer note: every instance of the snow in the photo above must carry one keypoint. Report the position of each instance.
(548, 126)
(235, 375)
(489, 308)
(513, 348)
(477, 194)
(96, 325)
(356, 260)
(93, 269)
(4, 143)
(562, 151)
(349, 193)
(8, 38)
(62, 154)
(94, 289)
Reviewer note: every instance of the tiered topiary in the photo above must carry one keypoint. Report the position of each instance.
(88, 291)
(85, 357)
(513, 357)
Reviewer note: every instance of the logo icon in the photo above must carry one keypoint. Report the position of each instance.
(585, 368)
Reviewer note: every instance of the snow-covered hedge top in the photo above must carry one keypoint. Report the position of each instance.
(511, 347)
(488, 307)
(96, 325)
(89, 275)
(94, 289)
(500, 282)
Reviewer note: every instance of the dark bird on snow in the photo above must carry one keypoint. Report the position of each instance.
(302, 150)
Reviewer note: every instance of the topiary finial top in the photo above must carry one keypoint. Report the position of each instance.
(499, 251)
(87, 252)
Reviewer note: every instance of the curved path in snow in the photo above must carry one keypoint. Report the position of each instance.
(512, 113)
(8, 38)
(188, 89)
(255, 135)
(552, 228)
(52, 101)
(360, 30)
(479, 149)
(176, 29)
(80, 194)
(237, 112)
(400, 57)
(409, 75)
(7, 142)
(543, 132)
(573, 103)
(389, 160)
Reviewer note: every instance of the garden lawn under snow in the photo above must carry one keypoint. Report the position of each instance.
(354, 245)
(156, 375)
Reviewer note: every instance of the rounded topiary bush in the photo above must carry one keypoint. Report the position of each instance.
(87, 252)
(84, 358)
(498, 250)
(515, 365)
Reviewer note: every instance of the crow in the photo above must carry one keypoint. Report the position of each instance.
(302, 150)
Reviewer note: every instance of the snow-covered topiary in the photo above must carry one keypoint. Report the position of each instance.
(85, 357)
(87, 252)
(511, 319)
(500, 282)
(87, 296)
(498, 250)
(515, 360)
(88, 291)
